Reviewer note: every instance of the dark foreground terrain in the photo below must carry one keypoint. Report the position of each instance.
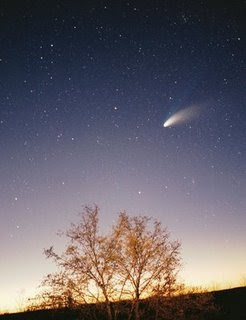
(231, 304)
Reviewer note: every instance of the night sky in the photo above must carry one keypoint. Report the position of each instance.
(84, 93)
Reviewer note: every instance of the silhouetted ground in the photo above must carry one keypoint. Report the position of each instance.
(231, 302)
(42, 315)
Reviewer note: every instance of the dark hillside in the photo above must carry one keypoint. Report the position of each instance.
(231, 302)
(41, 315)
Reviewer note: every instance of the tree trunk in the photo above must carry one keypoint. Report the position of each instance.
(137, 317)
(110, 311)
(137, 310)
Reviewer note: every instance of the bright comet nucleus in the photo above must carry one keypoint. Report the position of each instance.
(181, 116)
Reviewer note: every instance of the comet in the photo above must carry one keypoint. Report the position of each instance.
(182, 116)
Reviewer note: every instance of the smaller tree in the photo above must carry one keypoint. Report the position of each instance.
(148, 261)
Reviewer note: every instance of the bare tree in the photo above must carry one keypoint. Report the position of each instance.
(133, 267)
(148, 261)
(88, 263)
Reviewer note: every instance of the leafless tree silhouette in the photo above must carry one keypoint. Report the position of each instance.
(135, 262)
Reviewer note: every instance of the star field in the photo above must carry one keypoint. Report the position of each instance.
(85, 90)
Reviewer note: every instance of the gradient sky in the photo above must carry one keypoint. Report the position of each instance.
(84, 92)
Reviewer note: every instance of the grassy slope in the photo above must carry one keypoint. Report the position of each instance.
(232, 304)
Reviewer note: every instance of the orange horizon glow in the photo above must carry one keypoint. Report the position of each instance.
(212, 285)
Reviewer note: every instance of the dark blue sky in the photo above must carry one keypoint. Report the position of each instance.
(84, 92)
